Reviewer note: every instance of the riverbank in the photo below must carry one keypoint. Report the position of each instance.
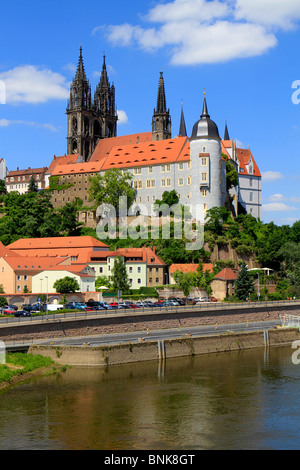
(186, 346)
(21, 367)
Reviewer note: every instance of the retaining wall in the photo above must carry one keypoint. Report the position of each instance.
(86, 356)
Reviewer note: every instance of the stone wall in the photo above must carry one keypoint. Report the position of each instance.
(182, 347)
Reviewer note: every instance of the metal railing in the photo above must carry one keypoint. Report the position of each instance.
(209, 307)
(290, 321)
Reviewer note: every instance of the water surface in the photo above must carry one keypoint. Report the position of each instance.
(238, 400)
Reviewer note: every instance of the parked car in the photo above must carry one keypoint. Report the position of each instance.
(190, 301)
(70, 306)
(13, 307)
(203, 299)
(8, 312)
(213, 299)
(105, 305)
(123, 305)
(28, 308)
(22, 313)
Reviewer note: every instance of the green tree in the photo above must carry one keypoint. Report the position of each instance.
(3, 302)
(244, 283)
(32, 187)
(107, 189)
(102, 281)
(185, 281)
(119, 278)
(66, 285)
(3, 189)
(169, 198)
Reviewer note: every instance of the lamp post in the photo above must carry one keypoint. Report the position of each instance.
(258, 287)
(46, 277)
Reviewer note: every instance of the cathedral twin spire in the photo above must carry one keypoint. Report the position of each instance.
(90, 121)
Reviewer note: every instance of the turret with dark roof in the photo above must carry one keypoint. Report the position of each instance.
(205, 127)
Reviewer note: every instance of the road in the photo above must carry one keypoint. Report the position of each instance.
(158, 335)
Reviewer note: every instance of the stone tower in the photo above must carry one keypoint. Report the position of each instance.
(209, 169)
(105, 123)
(161, 121)
(80, 114)
(90, 121)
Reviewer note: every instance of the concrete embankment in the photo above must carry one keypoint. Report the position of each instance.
(87, 356)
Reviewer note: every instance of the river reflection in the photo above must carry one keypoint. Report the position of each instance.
(245, 400)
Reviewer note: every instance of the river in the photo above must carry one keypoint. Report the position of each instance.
(236, 400)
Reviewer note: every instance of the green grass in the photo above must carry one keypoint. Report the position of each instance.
(22, 364)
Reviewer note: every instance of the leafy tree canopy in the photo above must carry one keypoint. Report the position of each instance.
(66, 285)
(107, 189)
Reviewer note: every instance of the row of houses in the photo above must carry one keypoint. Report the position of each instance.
(33, 265)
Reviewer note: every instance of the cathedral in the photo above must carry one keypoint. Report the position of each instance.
(193, 164)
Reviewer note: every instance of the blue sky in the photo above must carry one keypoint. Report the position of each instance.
(245, 53)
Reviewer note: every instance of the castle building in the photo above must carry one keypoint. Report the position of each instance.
(194, 166)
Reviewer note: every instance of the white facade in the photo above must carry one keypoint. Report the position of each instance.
(86, 282)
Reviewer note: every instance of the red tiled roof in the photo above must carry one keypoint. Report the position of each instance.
(74, 269)
(56, 242)
(20, 263)
(104, 146)
(190, 268)
(60, 247)
(226, 274)
(27, 172)
(77, 168)
(64, 160)
(244, 156)
(147, 153)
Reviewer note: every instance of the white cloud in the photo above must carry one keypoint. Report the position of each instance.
(275, 13)
(208, 31)
(30, 84)
(276, 197)
(122, 117)
(277, 207)
(6, 123)
(269, 176)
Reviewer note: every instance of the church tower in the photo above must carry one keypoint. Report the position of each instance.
(80, 115)
(105, 122)
(161, 121)
(90, 121)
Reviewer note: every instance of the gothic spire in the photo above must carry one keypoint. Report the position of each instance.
(161, 120)
(80, 74)
(182, 128)
(161, 106)
(226, 133)
(104, 82)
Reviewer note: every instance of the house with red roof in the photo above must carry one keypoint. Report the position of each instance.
(223, 284)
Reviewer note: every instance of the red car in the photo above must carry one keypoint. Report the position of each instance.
(8, 312)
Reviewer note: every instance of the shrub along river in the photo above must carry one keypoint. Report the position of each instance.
(236, 400)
